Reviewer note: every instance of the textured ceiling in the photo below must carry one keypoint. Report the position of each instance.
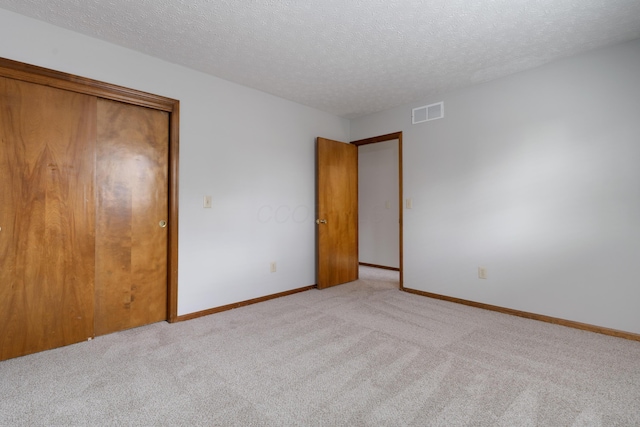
(349, 58)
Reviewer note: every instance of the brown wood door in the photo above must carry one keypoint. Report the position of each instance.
(337, 212)
(132, 204)
(47, 139)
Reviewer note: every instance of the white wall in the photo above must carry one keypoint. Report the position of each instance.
(378, 215)
(253, 152)
(535, 177)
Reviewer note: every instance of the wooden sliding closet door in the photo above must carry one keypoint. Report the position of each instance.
(132, 210)
(47, 217)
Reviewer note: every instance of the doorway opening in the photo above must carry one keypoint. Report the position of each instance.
(380, 210)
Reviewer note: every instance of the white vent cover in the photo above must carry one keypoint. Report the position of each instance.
(428, 112)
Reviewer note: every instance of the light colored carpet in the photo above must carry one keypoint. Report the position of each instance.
(358, 354)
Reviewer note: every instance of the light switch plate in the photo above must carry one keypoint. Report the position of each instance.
(409, 203)
(206, 203)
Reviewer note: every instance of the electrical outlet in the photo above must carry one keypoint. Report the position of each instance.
(273, 267)
(482, 273)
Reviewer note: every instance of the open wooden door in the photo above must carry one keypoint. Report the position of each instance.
(337, 212)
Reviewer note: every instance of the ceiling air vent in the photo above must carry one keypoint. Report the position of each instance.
(428, 112)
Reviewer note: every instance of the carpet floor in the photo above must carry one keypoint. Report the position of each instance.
(359, 354)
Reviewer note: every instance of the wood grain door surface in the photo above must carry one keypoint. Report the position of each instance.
(47, 151)
(83, 191)
(131, 244)
(337, 212)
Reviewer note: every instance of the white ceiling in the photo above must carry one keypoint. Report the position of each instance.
(349, 58)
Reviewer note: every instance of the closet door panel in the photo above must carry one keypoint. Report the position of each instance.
(47, 217)
(132, 210)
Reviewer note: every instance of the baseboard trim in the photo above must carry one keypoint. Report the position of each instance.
(534, 316)
(227, 307)
(379, 266)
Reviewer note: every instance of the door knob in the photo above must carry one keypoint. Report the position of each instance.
(321, 221)
(163, 223)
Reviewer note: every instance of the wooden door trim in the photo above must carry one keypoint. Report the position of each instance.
(47, 77)
(172, 249)
(383, 138)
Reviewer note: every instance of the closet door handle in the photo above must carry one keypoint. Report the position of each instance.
(162, 223)
(321, 221)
